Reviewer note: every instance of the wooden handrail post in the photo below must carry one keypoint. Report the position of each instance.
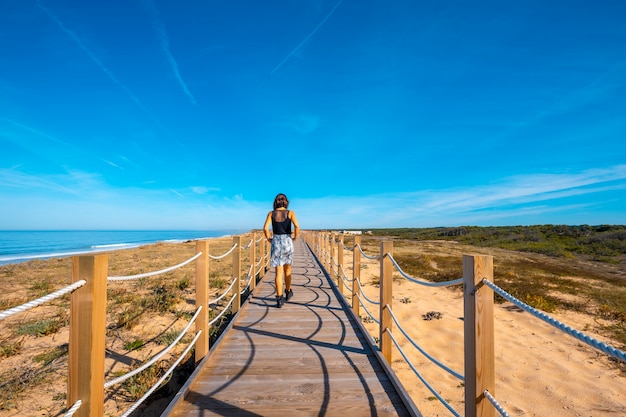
(479, 335)
(386, 293)
(253, 262)
(356, 275)
(262, 256)
(202, 299)
(320, 247)
(325, 245)
(237, 273)
(87, 332)
(340, 263)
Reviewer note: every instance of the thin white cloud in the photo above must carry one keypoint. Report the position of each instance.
(100, 65)
(165, 46)
(176, 192)
(79, 199)
(113, 164)
(37, 132)
(293, 51)
(510, 198)
(203, 190)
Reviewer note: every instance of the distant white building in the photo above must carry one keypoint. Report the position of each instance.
(352, 232)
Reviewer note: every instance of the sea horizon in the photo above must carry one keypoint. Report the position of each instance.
(17, 246)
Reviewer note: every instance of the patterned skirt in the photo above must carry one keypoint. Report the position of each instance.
(282, 250)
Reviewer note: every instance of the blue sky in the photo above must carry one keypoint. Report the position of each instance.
(152, 114)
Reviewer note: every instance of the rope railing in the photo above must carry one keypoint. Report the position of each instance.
(163, 378)
(374, 258)
(495, 404)
(420, 282)
(225, 293)
(87, 347)
(349, 249)
(248, 245)
(478, 299)
(218, 257)
(224, 310)
(362, 293)
(154, 273)
(366, 310)
(609, 350)
(346, 281)
(42, 300)
(249, 278)
(156, 357)
(420, 376)
(422, 351)
(73, 409)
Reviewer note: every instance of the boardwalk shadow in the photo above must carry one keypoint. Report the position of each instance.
(308, 358)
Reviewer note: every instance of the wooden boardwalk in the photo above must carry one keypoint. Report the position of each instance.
(309, 358)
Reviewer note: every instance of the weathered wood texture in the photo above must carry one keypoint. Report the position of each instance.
(305, 359)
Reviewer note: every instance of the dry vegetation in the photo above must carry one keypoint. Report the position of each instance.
(590, 280)
(143, 317)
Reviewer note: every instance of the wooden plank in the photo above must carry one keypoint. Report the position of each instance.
(307, 358)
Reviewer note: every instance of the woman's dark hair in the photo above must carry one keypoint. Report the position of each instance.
(281, 201)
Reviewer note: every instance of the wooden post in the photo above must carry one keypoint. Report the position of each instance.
(262, 256)
(253, 262)
(356, 275)
(479, 336)
(386, 292)
(331, 254)
(87, 332)
(340, 263)
(202, 299)
(237, 273)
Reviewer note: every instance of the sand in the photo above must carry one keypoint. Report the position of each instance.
(540, 371)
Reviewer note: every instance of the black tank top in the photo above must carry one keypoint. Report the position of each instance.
(281, 223)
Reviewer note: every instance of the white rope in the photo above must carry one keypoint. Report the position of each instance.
(425, 283)
(224, 255)
(349, 280)
(416, 372)
(495, 403)
(248, 245)
(150, 274)
(249, 278)
(344, 278)
(212, 322)
(134, 372)
(609, 350)
(260, 239)
(225, 292)
(377, 303)
(367, 256)
(163, 378)
(367, 311)
(74, 409)
(431, 358)
(39, 301)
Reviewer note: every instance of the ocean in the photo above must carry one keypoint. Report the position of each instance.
(21, 246)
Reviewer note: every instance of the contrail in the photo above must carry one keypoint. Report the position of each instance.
(165, 46)
(307, 38)
(30, 129)
(96, 61)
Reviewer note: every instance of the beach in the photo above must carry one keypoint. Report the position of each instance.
(540, 371)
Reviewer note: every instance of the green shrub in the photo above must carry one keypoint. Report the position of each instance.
(40, 328)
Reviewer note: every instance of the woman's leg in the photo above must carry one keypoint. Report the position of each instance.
(279, 281)
(287, 278)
